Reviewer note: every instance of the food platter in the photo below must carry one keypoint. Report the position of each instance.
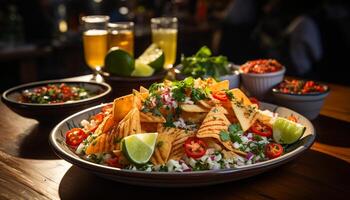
(176, 179)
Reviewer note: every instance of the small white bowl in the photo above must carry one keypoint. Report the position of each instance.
(259, 85)
(308, 105)
(233, 78)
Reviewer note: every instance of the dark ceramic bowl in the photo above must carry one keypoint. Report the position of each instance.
(124, 85)
(51, 112)
(177, 179)
(308, 105)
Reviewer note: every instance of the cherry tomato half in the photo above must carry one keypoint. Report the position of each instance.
(220, 95)
(113, 162)
(254, 101)
(273, 150)
(261, 129)
(195, 147)
(106, 108)
(75, 136)
(98, 119)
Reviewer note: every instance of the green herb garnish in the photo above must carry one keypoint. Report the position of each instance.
(203, 64)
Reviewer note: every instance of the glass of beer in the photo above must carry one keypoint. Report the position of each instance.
(164, 34)
(95, 41)
(121, 34)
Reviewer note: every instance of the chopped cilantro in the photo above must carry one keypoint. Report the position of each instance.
(233, 128)
(229, 95)
(235, 138)
(224, 136)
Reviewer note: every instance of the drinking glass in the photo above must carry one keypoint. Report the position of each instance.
(121, 34)
(95, 41)
(164, 34)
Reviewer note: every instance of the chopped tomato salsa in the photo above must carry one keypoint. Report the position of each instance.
(261, 66)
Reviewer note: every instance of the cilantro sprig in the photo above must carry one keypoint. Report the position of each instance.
(203, 64)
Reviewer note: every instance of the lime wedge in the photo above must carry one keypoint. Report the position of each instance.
(138, 148)
(119, 62)
(287, 132)
(153, 56)
(142, 70)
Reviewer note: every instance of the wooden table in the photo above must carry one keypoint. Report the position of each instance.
(30, 170)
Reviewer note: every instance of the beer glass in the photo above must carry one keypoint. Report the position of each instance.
(121, 34)
(164, 34)
(95, 41)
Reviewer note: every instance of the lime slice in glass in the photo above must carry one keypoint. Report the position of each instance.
(142, 70)
(287, 132)
(138, 148)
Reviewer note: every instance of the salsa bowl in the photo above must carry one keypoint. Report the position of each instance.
(260, 83)
(308, 104)
(54, 111)
(177, 179)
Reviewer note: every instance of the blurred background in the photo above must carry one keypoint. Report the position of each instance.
(41, 39)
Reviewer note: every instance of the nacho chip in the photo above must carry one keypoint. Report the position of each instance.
(149, 127)
(196, 118)
(102, 144)
(162, 149)
(177, 154)
(149, 117)
(244, 110)
(213, 124)
(108, 125)
(143, 89)
(193, 108)
(131, 124)
(122, 106)
(206, 104)
(222, 85)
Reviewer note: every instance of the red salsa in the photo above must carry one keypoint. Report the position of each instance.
(54, 93)
(261, 66)
(300, 87)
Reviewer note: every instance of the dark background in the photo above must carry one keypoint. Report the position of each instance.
(41, 39)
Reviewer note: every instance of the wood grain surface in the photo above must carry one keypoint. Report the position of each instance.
(30, 170)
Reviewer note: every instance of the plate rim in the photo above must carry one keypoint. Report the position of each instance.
(106, 170)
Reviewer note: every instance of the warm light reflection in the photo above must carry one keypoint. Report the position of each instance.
(342, 153)
(123, 10)
(62, 26)
(97, 1)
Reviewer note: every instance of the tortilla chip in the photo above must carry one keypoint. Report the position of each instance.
(206, 104)
(196, 118)
(143, 89)
(222, 85)
(177, 151)
(177, 154)
(149, 117)
(228, 154)
(193, 108)
(131, 124)
(213, 124)
(102, 144)
(162, 149)
(147, 127)
(102, 127)
(108, 125)
(213, 143)
(122, 106)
